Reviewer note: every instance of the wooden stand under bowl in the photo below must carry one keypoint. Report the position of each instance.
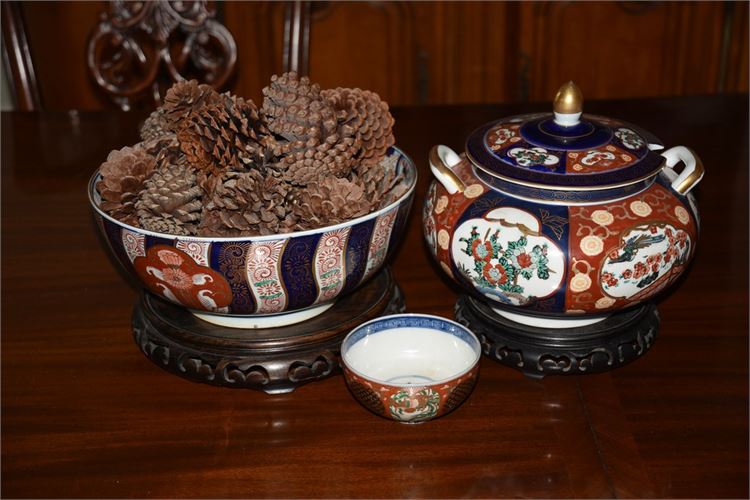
(274, 360)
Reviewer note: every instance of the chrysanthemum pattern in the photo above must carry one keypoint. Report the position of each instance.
(473, 191)
(580, 282)
(602, 217)
(444, 239)
(641, 208)
(592, 245)
(682, 214)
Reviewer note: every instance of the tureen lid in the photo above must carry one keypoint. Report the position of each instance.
(565, 149)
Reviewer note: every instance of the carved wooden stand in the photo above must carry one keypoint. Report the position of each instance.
(611, 343)
(274, 360)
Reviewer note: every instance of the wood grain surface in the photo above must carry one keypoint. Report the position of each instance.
(85, 414)
(436, 52)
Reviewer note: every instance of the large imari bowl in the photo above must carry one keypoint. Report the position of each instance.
(411, 367)
(559, 219)
(263, 281)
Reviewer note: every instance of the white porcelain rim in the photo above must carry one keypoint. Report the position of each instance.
(477, 351)
(263, 320)
(557, 323)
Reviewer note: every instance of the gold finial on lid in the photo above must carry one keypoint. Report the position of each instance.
(568, 99)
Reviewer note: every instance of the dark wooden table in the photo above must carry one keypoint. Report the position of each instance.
(85, 414)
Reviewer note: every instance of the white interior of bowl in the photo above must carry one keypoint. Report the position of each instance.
(412, 355)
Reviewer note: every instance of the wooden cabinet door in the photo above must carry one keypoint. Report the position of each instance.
(622, 49)
(446, 52)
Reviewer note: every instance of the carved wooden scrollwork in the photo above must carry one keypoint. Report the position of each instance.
(273, 360)
(138, 48)
(537, 352)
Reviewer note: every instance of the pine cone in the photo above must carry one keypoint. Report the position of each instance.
(183, 99)
(309, 141)
(224, 136)
(331, 158)
(295, 111)
(247, 204)
(377, 130)
(171, 201)
(328, 201)
(162, 146)
(382, 183)
(373, 125)
(155, 126)
(123, 177)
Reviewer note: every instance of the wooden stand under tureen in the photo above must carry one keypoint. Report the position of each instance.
(536, 351)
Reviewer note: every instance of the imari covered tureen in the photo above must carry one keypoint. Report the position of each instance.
(560, 219)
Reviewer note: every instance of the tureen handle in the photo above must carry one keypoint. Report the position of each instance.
(690, 175)
(442, 158)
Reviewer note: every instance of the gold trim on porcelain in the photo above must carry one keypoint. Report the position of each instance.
(695, 176)
(445, 170)
(568, 100)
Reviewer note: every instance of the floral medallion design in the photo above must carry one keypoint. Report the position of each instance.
(602, 217)
(682, 215)
(599, 160)
(506, 257)
(580, 282)
(329, 264)
(171, 273)
(443, 239)
(648, 253)
(262, 270)
(410, 405)
(629, 138)
(640, 208)
(529, 157)
(474, 191)
(591, 245)
(594, 157)
(502, 136)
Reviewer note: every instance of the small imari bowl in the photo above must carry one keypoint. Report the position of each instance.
(261, 281)
(410, 367)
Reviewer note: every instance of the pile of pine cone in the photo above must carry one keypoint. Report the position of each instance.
(213, 164)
